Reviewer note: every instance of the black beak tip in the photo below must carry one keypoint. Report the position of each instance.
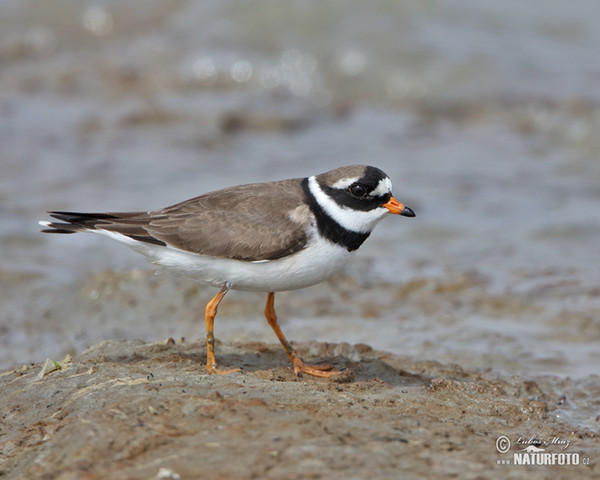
(407, 212)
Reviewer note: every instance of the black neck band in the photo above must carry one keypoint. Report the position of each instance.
(328, 227)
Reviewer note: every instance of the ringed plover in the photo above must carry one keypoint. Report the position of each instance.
(264, 237)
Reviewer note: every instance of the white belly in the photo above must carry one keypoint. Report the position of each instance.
(312, 265)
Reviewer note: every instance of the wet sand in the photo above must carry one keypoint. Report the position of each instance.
(129, 408)
(136, 410)
(488, 303)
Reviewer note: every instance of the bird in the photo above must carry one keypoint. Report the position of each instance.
(264, 237)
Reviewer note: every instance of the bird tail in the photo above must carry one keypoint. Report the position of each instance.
(76, 222)
(130, 225)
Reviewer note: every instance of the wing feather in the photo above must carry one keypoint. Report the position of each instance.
(249, 222)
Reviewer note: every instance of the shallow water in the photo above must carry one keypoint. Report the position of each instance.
(485, 116)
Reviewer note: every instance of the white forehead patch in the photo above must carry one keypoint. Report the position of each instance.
(345, 182)
(383, 187)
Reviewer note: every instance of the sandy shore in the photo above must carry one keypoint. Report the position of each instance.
(486, 115)
(136, 410)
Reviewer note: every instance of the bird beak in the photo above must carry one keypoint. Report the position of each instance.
(394, 206)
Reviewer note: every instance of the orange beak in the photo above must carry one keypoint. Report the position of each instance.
(394, 206)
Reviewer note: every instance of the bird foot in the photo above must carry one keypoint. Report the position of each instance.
(213, 370)
(315, 370)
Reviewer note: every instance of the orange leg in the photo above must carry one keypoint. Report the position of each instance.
(211, 312)
(299, 366)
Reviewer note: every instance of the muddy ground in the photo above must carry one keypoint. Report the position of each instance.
(486, 116)
(137, 410)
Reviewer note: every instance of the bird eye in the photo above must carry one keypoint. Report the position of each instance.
(357, 190)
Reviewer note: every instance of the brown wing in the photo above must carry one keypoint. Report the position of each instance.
(248, 222)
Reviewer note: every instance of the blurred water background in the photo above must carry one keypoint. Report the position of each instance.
(486, 115)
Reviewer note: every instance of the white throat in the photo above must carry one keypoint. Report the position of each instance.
(354, 220)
